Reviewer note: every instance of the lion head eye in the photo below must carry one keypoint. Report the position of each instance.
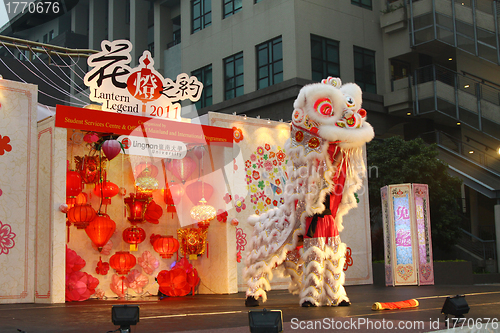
(350, 102)
(323, 106)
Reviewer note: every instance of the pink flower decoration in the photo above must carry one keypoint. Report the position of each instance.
(237, 134)
(6, 238)
(234, 165)
(100, 294)
(260, 163)
(268, 165)
(91, 137)
(248, 164)
(4, 144)
(248, 179)
(148, 262)
(102, 267)
(241, 239)
(1, 192)
(260, 150)
(80, 286)
(254, 198)
(136, 281)
(239, 202)
(227, 198)
(255, 175)
(118, 285)
(74, 262)
(253, 157)
(106, 249)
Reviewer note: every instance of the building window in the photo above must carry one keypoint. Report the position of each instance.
(51, 35)
(201, 14)
(231, 7)
(364, 69)
(363, 3)
(204, 75)
(233, 76)
(45, 38)
(324, 58)
(269, 63)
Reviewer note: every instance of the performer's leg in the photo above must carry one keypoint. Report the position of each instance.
(313, 257)
(334, 276)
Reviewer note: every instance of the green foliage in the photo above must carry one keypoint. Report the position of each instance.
(395, 161)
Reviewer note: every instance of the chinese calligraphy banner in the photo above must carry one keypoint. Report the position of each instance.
(123, 124)
(137, 91)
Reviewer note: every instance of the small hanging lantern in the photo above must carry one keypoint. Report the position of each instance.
(203, 214)
(153, 212)
(81, 198)
(111, 148)
(134, 235)
(73, 186)
(166, 246)
(100, 230)
(137, 205)
(106, 190)
(81, 215)
(192, 241)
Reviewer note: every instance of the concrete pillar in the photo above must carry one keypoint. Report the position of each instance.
(117, 26)
(163, 31)
(98, 27)
(138, 29)
(474, 213)
(497, 231)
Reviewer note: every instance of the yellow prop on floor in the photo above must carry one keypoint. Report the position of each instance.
(411, 303)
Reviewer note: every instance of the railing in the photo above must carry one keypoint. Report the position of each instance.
(467, 99)
(466, 150)
(484, 249)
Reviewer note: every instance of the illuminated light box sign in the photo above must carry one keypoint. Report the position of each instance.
(137, 91)
(407, 235)
(138, 126)
(143, 146)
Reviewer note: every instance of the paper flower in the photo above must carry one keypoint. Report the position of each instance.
(180, 280)
(237, 134)
(118, 285)
(74, 262)
(6, 238)
(106, 250)
(102, 267)
(222, 215)
(100, 294)
(4, 144)
(136, 281)
(148, 262)
(80, 286)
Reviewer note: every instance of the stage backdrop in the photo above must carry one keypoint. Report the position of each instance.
(260, 165)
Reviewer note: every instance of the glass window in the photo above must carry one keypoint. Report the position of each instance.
(233, 76)
(364, 69)
(231, 7)
(201, 14)
(324, 58)
(204, 75)
(269, 63)
(362, 3)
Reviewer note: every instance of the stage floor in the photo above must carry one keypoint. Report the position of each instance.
(227, 313)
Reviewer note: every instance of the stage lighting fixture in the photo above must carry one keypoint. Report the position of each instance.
(265, 321)
(456, 306)
(125, 315)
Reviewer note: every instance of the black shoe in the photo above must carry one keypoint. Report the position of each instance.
(344, 303)
(307, 304)
(251, 301)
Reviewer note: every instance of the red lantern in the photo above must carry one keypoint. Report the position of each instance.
(197, 190)
(182, 168)
(133, 236)
(111, 148)
(81, 215)
(73, 186)
(137, 205)
(81, 198)
(166, 246)
(122, 262)
(153, 212)
(100, 230)
(107, 191)
(150, 170)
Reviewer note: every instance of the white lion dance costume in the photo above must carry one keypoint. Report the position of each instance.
(328, 132)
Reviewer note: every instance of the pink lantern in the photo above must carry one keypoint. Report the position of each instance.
(199, 151)
(182, 168)
(197, 190)
(111, 148)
